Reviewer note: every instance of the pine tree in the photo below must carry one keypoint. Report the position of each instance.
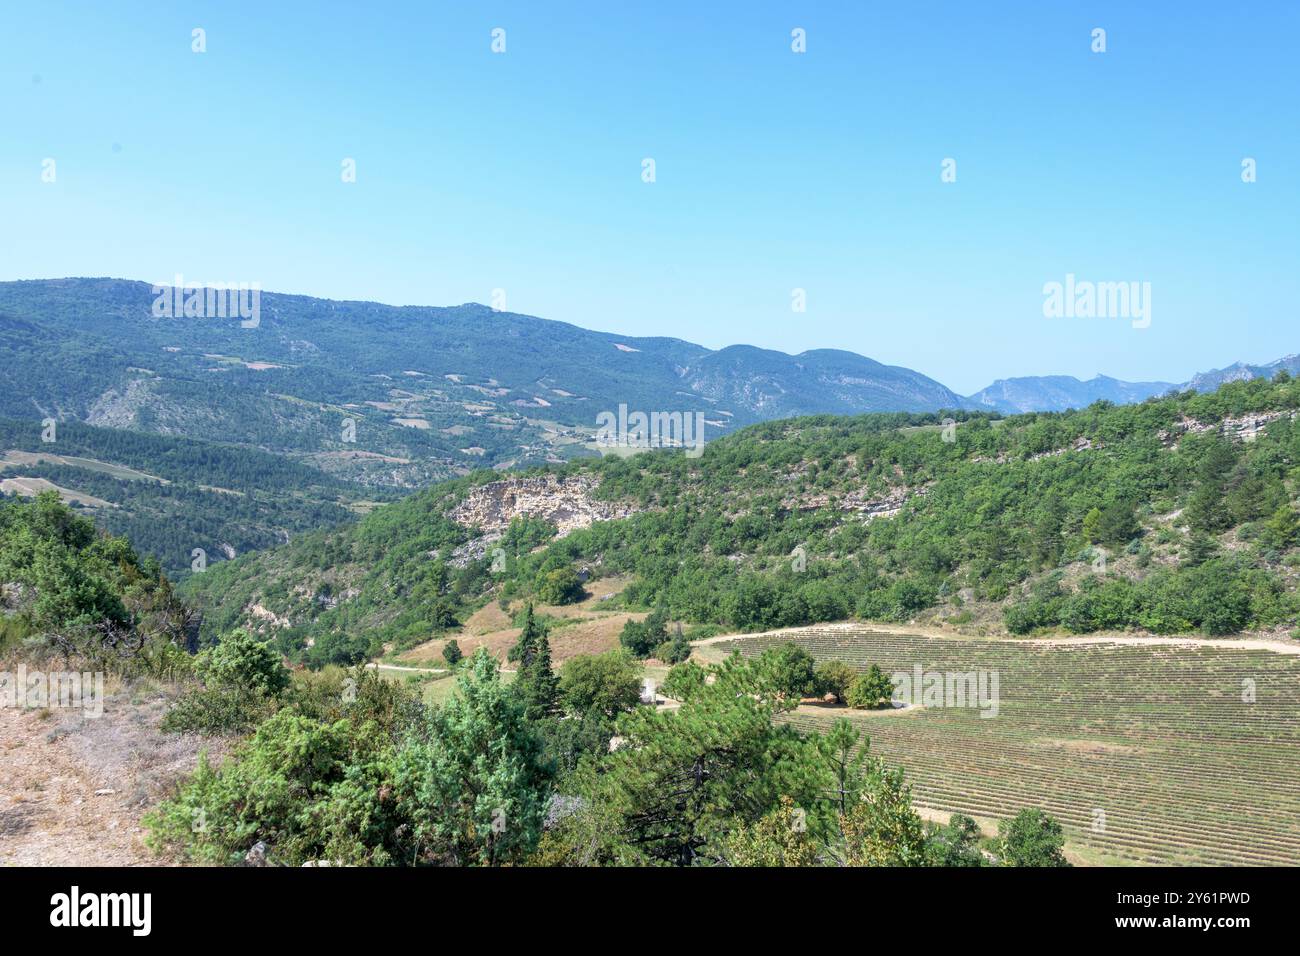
(479, 784)
(536, 684)
(542, 690)
(522, 652)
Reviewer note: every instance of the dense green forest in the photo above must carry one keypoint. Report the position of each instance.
(173, 495)
(1156, 516)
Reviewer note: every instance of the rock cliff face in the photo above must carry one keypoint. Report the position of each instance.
(566, 502)
(1246, 428)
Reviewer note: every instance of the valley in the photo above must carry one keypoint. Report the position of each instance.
(1126, 575)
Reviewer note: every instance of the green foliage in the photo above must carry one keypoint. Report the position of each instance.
(1283, 528)
(870, 691)
(217, 711)
(684, 680)
(779, 838)
(1218, 596)
(451, 653)
(529, 629)
(536, 685)
(70, 569)
(569, 740)
(956, 843)
(834, 677)
(641, 638)
(339, 647)
(242, 680)
(369, 779)
(674, 650)
(789, 670)
(524, 533)
(606, 684)
(683, 778)
(242, 661)
(883, 829)
(315, 782)
(559, 586)
(1031, 838)
(77, 592)
(474, 779)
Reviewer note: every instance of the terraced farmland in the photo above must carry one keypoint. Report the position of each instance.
(1157, 738)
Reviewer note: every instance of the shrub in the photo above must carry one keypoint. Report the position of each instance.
(337, 647)
(642, 637)
(834, 677)
(602, 683)
(217, 710)
(956, 844)
(242, 680)
(674, 650)
(1031, 838)
(559, 586)
(871, 691)
(451, 653)
(242, 661)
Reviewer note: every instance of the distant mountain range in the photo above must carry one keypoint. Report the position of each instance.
(1239, 371)
(1056, 393)
(436, 391)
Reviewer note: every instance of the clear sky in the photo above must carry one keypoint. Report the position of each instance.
(774, 170)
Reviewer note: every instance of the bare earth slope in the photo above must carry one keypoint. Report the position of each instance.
(73, 788)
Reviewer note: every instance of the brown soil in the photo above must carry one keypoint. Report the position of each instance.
(73, 788)
(594, 631)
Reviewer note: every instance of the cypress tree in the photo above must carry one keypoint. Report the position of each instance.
(523, 650)
(536, 683)
(543, 690)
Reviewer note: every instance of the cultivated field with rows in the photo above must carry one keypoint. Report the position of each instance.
(1145, 753)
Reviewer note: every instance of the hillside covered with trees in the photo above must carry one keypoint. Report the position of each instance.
(551, 769)
(170, 495)
(1173, 516)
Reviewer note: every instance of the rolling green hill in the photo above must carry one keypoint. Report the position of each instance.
(1176, 515)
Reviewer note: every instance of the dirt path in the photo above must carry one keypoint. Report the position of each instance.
(1240, 643)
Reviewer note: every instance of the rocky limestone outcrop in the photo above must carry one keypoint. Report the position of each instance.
(861, 502)
(565, 501)
(1244, 428)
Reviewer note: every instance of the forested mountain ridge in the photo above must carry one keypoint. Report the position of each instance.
(102, 357)
(1170, 516)
(357, 400)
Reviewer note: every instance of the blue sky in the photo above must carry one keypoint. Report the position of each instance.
(774, 170)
